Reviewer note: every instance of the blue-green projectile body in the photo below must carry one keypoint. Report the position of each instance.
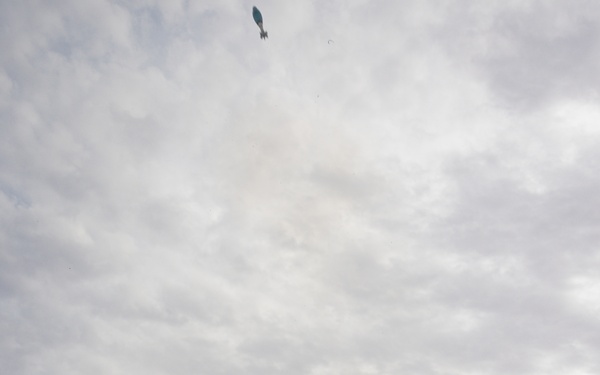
(259, 21)
(257, 16)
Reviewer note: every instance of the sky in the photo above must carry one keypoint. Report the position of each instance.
(380, 187)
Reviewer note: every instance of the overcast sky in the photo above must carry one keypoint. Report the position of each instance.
(381, 187)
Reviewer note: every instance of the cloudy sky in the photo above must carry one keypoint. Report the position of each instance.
(381, 187)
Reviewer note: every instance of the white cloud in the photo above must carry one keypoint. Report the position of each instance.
(177, 195)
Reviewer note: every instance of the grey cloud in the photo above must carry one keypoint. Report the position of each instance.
(537, 65)
(531, 54)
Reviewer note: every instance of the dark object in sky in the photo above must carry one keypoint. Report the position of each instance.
(259, 21)
(330, 41)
